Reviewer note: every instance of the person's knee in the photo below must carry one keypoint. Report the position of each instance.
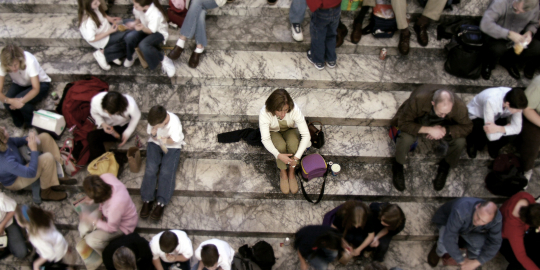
(281, 147)
(45, 137)
(47, 159)
(92, 241)
(20, 251)
(459, 142)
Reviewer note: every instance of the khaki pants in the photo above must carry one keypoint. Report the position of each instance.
(99, 239)
(405, 140)
(432, 10)
(46, 169)
(286, 142)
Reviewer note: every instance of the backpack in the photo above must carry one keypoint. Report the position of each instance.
(506, 184)
(505, 162)
(177, 16)
(464, 57)
(312, 166)
(261, 253)
(240, 263)
(448, 30)
(75, 107)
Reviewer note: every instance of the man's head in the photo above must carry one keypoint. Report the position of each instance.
(443, 101)
(515, 100)
(157, 116)
(484, 213)
(168, 241)
(209, 256)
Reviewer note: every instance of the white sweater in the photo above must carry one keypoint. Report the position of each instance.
(50, 244)
(153, 19)
(89, 30)
(269, 122)
(131, 116)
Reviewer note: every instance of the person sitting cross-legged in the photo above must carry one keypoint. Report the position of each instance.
(214, 254)
(171, 248)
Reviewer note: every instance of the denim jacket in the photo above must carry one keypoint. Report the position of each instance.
(457, 216)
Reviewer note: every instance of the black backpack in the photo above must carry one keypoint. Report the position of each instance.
(450, 29)
(464, 58)
(240, 263)
(261, 253)
(506, 183)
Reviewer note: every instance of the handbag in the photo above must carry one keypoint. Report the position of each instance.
(106, 163)
(69, 162)
(312, 166)
(351, 5)
(317, 135)
(3, 241)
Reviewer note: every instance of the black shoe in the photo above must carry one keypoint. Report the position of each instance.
(493, 153)
(433, 258)
(398, 178)
(486, 72)
(471, 151)
(442, 174)
(528, 72)
(146, 208)
(158, 212)
(512, 70)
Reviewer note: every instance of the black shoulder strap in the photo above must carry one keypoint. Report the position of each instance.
(304, 191)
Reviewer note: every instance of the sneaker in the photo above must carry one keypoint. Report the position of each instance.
(167, 66)
(100, 58)
(319, 66)
(117, 61)
(128, 63)
(297, 32)
(331, 64)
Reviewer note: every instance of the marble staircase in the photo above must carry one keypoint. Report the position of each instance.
(230, 191)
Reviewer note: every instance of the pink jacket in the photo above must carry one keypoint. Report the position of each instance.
(119, 211)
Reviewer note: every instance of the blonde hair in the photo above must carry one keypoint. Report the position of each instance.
(124, 259)
(9, 55)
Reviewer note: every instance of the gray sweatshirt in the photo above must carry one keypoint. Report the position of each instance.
(500, 18)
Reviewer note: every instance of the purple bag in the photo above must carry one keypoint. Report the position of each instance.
(313, 166)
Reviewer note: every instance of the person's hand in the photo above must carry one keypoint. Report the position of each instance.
(130, 25)
(375, 243)
(469, 264)
(139, 27)
(294, 162)
(32, 142)
(515, 37)
(116, 19)
(356, 252)
(285, 158)
(124, 140)
(304, 266)
(491, 128)
(528, 37)
(108, 129)
(113, 29)
(16, 103)
(436, 133)
(170, 257)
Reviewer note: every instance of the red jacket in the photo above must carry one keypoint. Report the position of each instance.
(326, 4)
(514, 229)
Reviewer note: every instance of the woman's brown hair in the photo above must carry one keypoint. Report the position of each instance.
(353, 214)
(37, 218)
(85, 8)
(392, 215)
(144, 3)
(96, 189)
(277, 100)
(3, 146)
(9, 55)
(124, 259)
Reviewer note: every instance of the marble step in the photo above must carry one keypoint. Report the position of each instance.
(273, 69)
(236, 8)
(253, 33)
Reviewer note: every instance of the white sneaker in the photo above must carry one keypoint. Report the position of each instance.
(167, 66)
(296, 29)
(128, 63)
(117, 61)
(100, 58)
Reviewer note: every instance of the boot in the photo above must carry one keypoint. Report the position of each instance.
(51, 195)
(433, 258)
(293, 185)
(442, 174)
(134, 159)
(158, 212)
(284, 185)
(404, 41)
(398, 178)
(356, 33)
(420, 27)
(342, 32)
(146, 208)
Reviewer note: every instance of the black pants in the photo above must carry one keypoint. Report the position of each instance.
(96, 139)
(508, 253)
(479, 139)
(529, 144)
(501, 49)
(380, 251)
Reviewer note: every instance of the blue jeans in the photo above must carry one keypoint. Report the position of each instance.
(167, 174)
(16, 242)
(150, 46)
(323, 29)
(322, 263)
(195, 22)
(475, 242)
(116, 47)
(297, 11)
(25, 114)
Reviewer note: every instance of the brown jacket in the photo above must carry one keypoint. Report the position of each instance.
(419, 104)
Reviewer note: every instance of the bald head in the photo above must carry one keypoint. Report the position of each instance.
(443, 101)
(484, 213)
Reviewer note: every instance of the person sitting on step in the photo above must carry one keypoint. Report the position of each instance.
(351, 221)
(317, 246)
(476, 221)
(95, 27)
(323, 28)
(116, 116)
(529, 137)
(16, 244)
(45, 163)
(151, 31)
(171, 248)
(195, 25)
(507, 24)
(496, 117)
(115, 206)
(439, 114)
(282, 124)
(214, 254)
(50, 244)
(519, 213)
(387, 220)
(128, 252)
(30, 84)
(162, 155)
